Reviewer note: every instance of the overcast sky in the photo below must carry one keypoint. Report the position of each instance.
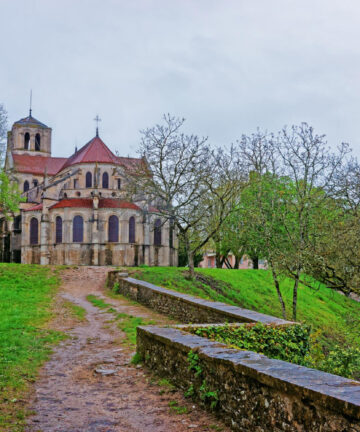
(226, 66)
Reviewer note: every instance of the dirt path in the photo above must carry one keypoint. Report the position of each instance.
(70, 396)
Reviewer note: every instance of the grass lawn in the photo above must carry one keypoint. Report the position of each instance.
(337, 317)
(26, 293)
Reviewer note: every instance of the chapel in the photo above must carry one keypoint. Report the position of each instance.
(77, 210)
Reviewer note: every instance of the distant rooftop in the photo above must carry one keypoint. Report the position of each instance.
(31, 121)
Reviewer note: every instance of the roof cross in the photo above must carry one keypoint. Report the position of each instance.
(97, 119)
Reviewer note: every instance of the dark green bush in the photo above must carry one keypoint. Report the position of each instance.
(290, 343)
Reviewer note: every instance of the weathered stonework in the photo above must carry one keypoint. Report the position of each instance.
(253, 393)
(93, 185)
(185, 308)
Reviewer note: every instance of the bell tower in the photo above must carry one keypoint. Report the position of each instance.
(29, 136)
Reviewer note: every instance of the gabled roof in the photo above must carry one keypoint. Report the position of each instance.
(37, 164)
(31, 121)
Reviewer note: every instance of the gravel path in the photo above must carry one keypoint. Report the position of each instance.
(70, 396)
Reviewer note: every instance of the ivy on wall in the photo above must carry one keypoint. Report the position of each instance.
(290, 343)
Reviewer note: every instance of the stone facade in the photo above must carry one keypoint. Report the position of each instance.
(90, 185)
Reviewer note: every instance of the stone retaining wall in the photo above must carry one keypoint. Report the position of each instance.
(249, 391)
(185, 308)
(255, 393)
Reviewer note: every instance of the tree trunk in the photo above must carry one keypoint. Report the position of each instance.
(191, 264)
(255, 261)
(295, 292)
(218, 259)
(277, 286)
(237, 261)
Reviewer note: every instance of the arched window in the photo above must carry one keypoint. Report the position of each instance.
(37, 142)
(132, 230)
(58, 229)
(157, 232)
(17, 223)
(105, 180)
(26, 141)
(26, 186)
(35, 182)
(78, 229)
(119, 183)
(88, 180)
(34, 231)
(113, 229)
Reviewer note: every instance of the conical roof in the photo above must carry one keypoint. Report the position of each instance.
(94, 151)
(30, 121)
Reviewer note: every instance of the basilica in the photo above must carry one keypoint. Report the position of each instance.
(76, 210)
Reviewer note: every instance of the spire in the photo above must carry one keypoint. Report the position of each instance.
(97, 119)
(30, 110)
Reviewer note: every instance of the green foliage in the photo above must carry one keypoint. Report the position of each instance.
(136, 359)
(176, 408)
(193, 360)
(26, 293)
(208, 396)
(341, 360)
(10, 196)
(290, 343)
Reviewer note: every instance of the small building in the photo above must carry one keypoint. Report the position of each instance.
(209, 261)
(77, 210)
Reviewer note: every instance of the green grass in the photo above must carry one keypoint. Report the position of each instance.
(26, 293)
(126, 323)
(337, 317)
(76, 311)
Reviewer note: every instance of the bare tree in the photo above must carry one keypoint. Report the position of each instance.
(313, 168)
(187, 180)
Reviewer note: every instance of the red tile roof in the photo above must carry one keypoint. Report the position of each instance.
(74, 202)
(153, 209)
(88, 203)
(94, 151)
(37, 164)
(114, 203)
(38, 207)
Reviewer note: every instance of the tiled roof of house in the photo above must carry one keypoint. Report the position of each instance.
(38, 207)
(34, 164)
(88, 203)
(30, 121)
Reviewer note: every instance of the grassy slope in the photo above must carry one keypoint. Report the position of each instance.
(26, 292)
(335, 315)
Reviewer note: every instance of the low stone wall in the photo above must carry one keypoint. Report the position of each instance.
(185, 308)
(250, 391)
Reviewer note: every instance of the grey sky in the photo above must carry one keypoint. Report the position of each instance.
(226, 66)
